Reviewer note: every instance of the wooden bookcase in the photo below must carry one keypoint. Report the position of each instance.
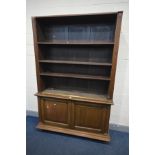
(76, 57)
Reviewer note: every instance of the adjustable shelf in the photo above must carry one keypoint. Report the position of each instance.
(78, 76)
(75, 42)
(75, 62)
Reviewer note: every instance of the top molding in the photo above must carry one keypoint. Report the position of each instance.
(87, 14)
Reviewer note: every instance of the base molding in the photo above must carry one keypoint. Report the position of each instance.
(101, 137)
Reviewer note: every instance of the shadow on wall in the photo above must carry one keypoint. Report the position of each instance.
(121, 91)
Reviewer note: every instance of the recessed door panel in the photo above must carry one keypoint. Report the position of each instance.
(55, 111)
(91, 117)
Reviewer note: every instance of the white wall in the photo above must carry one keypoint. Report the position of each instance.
(120, 111)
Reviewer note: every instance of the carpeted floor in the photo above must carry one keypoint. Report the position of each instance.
(49, 143)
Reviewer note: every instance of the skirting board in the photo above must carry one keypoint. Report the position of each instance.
(116, 127)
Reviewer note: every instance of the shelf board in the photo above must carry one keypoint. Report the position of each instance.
(76, 62)
(75, 95)
(78, 76)
(77, 42)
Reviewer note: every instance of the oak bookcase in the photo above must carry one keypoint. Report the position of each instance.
(76, 57)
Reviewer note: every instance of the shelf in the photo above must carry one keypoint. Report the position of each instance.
(78, 76)
(76, 42)
(75, 62)
(75, 95)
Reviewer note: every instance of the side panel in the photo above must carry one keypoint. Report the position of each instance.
(115, 53)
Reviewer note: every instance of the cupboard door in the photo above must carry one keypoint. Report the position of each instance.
(55, 112)
(91, 117)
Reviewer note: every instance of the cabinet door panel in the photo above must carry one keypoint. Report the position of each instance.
(91, 117)
(88, 116)
(55, 111)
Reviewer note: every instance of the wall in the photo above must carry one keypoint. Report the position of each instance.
(120, 111)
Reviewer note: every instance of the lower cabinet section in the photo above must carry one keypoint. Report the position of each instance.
(75, 117)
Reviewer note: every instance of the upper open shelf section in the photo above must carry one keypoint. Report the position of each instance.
(77, 30)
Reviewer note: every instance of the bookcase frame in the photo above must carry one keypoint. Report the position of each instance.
(76, 58)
